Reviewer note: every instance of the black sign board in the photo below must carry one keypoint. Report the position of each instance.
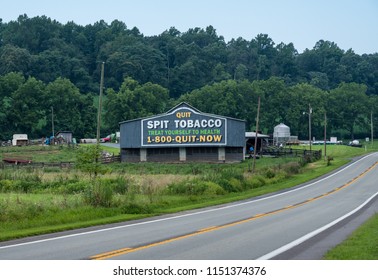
(184, 127)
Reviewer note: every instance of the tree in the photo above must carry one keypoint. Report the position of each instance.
(8, 85)
(88, 160)
(285, 62)
(134, 101)
(302, 97)
(266, 55)
(228, 98)
(72, 110)
(14, 59)
(31, 33)
(275, 101)
(27, 113)
(347, 106)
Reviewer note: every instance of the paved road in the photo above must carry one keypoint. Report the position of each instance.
(112, 145)
(262, 228)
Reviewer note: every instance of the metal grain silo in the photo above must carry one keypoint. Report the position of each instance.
(281, 134)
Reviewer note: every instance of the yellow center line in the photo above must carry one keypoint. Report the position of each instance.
(110, 254)
(206, 229)
(124, 251)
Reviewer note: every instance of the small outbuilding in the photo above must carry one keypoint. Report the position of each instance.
(183, 134)
(20, 140)
(250, 140)
(65, 136)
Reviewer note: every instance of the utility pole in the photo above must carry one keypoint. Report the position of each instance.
(371, 128)
(52, 121)
(100, 103)
(325, 135)
(309, 124)
(256, 138)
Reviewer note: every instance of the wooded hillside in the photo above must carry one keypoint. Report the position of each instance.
(46, 64)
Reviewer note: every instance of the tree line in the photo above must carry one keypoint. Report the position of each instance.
(346, 109)
(46, 65)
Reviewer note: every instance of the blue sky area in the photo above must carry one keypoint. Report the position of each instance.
(351, 24)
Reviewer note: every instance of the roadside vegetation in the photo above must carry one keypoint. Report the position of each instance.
(361, 245)
(50, 199)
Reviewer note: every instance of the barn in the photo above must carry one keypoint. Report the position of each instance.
(183, 134)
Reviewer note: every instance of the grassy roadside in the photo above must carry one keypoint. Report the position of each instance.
(363, 243)
(56, 200)
(360, 245)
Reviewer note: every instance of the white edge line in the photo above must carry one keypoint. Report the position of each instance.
(184, 215)
(313, 233)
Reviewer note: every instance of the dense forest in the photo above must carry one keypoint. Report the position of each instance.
(50, 67)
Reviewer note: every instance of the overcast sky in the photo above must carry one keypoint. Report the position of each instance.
(349, 23)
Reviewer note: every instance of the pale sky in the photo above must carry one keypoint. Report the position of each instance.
(349, 23)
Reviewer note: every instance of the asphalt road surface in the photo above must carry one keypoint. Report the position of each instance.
(284, 225)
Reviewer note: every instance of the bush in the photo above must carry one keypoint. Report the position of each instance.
(212, 188)
(136, 208)
(231, 184)
(99, 195)
(195, 188)
(279, 176)
(292, 168)
(73, 187)
(7, 185)
(269, 173)
(120, 184)
(191, 187)
(255, 182)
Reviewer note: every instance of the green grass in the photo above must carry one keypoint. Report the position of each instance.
(111, 150)
(40, 153)
(361, 245)
(49, 200)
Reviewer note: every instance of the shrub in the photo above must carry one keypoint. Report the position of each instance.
(231, 173)
(279, 176)
(292, 168)
(99, 195)
(121, 185)
(73, 187)
(191, 187)
(231, 184)
(27, 186)
(254, 182)
(269, 173)
(213, 189)
(7, 185)
(88, 160)
(195, 188)
(136, 208)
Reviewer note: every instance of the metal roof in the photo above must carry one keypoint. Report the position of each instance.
(252, 134)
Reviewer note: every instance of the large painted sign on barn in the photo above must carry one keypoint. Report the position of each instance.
(184, 126)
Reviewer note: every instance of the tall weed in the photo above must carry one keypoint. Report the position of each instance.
(98, 195)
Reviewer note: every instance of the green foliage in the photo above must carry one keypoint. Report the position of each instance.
(360, 245)
(196, 187)
(72, 111)
(213, 189)
(61, 62)
(136, 208)
(292, 168)
(270, 173)
(134, 101)
(88, 160)
(99, 195)
(254, 182)
(32, 201)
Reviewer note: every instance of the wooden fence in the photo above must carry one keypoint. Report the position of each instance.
(282, 152)
(24, 162)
